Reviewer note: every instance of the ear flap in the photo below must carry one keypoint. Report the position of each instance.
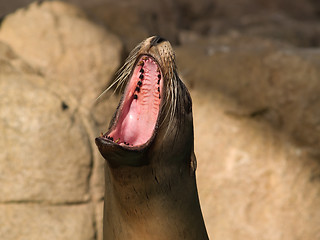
(193, 164)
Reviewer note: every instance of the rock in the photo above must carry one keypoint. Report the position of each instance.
(122, 20)
(100, 116)
(136, 20)
(12, 64)
(40, 133)
(75, 59)
(256, 136)
(54, 63)
(268, 80)
(133, 20)
(302, 33)
(33, 221)
(296, 23)
(9, 7)
(99, 220)
(256, 112)
(78, 56)
(253, 183)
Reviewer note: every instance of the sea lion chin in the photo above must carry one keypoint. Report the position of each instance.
(150, 183)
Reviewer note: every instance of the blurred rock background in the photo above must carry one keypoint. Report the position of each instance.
(253, 69)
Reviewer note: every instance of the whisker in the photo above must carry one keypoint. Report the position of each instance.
(123, 72)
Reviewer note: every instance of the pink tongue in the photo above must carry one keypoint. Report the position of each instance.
(141, 105)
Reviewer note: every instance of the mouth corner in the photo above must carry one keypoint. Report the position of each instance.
(120, 155)
(104, 142)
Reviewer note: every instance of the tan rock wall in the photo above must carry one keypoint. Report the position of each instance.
(38, 222)
(253, 183)
(256, 115)
(54, 63)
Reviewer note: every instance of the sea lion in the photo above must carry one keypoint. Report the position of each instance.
(150, 184)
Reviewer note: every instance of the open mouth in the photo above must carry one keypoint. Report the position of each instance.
(138, 113)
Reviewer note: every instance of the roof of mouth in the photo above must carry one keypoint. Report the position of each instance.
(138, 114)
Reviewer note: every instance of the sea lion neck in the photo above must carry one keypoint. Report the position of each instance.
(154, 201)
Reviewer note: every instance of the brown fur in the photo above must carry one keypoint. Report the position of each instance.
(151, 190)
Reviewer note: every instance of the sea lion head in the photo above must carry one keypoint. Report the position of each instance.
(154, 116)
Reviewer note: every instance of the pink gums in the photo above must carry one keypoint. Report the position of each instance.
(140, 108)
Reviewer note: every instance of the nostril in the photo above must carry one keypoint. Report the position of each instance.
(160, 39)
(156, 40)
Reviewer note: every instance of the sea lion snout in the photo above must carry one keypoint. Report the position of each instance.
(156, 40)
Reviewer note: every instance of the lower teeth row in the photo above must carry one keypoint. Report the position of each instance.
(117, 141)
